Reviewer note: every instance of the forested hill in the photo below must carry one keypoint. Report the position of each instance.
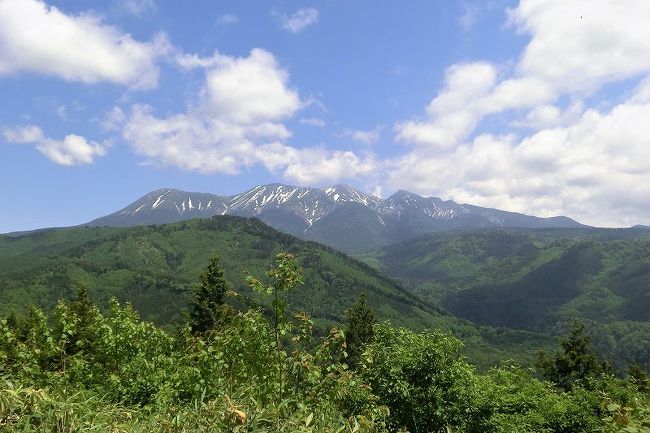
(156, 268)
(537, 280)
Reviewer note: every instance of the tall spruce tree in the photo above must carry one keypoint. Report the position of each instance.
(207, 310)
(361, 319)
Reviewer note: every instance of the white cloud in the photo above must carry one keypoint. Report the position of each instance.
(23, 134)
(138, 7)
(548, 116)
(72, 150)
(575, 48)
(593, 169)
(113, 120)
(249, 90)
(581, 44)
(35, 37)
(300, 20)
(454, 113)
(193, 61)
(365, 136)
(62, 112)
(575, 160)
(469, 16)
(308, 166)
(237, 123)
(313, 121)
(227, 19)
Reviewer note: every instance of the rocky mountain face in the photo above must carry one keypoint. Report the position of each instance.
(340, 215)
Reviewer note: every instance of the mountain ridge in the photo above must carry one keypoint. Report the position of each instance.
(325, 214)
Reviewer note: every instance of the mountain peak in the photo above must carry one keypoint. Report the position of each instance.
(347, 193)
(402, 193)
(338, 215)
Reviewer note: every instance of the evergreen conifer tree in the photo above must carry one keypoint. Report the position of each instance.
(575, 363)
(84, 314)
(207, 309)
(361, 319)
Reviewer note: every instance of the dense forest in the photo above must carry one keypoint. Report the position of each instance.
(259, 369)
(156, 267)
(536, 280)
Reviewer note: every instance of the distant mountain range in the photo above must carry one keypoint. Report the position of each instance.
(340, 215)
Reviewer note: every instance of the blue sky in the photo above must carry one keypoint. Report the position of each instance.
(534, 106)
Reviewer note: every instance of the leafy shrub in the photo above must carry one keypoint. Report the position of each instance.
(420, 377)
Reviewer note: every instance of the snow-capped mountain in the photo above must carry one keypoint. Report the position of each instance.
(339, 215)
(164, 206)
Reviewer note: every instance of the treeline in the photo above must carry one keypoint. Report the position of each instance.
(234, 368)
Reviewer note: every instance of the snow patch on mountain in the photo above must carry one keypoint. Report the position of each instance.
(311, 205)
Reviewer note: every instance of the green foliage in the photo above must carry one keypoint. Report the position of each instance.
(420, 377)
(511, 399)
(632, 418)
(575, 363)
(136, 377)
(639, 377)
(155, 268)
(361, 321)
(207, 310)
(285, 276)
(535, 281)
(81, 369)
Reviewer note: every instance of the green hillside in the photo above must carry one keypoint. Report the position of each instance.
(536, 280)
(156, 268)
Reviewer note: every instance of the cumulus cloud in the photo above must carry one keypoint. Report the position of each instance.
(300, 20)
(72, 150)
(471, 92)
(250, 90)
(311, 165)
(580, 45)
(35, 37)
(577, 160)
(594, 169)
(567, 54)
(238, 122)
(549, 115)
(453, 113)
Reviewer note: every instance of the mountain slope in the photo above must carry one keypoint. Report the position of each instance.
(536, 280)
(164, 206)
(339, 216)
(156, 268)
